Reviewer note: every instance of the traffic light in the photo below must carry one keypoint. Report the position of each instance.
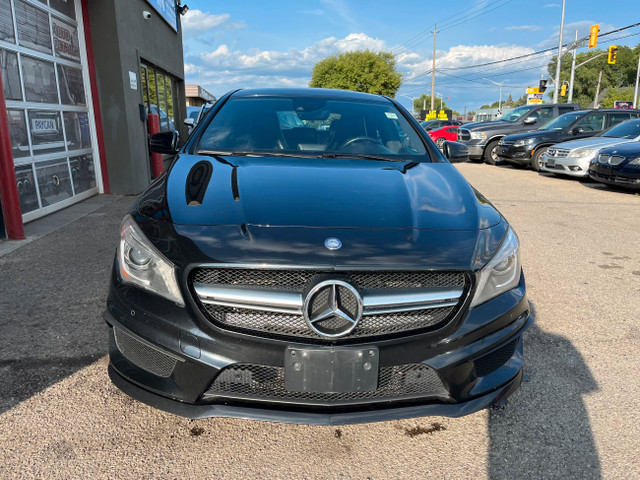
(613, 53)
(563, 90)
(593, 36)
(542, 86)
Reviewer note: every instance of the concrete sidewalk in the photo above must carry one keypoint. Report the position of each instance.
(51, 223)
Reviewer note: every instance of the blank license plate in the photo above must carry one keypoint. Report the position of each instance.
(551, 162)
(331, 369)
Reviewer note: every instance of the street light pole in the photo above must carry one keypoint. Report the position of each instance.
(573, 71)
(635, 95)
(557, 85)
(433, 70)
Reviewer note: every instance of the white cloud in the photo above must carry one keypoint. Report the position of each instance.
(197, 22)
(526, 28)
(294, 60)
(552, 5)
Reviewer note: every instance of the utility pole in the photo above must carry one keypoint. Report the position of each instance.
(557, 83)
(433, 70)
(595, 100)
(573, 71)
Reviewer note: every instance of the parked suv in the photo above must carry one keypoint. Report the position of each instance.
(353, 279)
(482, 138)
(527, 149)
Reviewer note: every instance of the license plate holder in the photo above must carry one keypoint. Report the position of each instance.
(331, 369)
(551, 162)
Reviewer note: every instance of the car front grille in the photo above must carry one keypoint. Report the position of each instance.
(558, 152)
(464, 134)
(241, 299)
(247, 381)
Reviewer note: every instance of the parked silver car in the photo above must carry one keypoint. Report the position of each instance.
(573, 158)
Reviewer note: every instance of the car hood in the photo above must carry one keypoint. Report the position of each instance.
(592, 142)
(336, 193)
(486, 125)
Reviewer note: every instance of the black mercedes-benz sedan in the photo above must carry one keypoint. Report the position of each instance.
(310, 256)
(618, 166)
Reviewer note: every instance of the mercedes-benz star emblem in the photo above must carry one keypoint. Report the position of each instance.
(333, 308)
(333, 243)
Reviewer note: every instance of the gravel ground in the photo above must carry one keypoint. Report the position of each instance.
(576, 417)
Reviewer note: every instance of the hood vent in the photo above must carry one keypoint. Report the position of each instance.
(197, 182)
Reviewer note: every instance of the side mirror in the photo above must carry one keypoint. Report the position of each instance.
(165, 143)
(189, 122)
(576, 131)
(455, 152)
(530, 120)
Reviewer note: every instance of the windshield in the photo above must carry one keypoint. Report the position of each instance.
(629, 129)
(515, 114)
(311, 127)
(561, 122)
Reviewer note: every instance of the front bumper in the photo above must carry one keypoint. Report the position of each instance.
(622, 177)
(575, 167)
(518, 155)
(476, 147)
(478, 364)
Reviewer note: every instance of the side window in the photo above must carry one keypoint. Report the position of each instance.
(563, 110)
(616, 118)
(592, 123)
(545, 114)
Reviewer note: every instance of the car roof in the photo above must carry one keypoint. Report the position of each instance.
(311, 93)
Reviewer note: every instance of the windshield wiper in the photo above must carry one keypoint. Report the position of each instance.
(364, 156)
(223, 153)
(229, 153)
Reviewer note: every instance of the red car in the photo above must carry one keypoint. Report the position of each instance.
(445, 133)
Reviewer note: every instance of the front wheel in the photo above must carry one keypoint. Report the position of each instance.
(490, 155)
(536, 161)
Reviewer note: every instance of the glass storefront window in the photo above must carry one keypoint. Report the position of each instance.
(26, 189)
(39, 80)
(18, 133)
(162, 99)
(76, 128)
(53, 181)
(46, 131)
(82, 173)
(65, 7)
(6, 22)
(10, 75)
(71, 86)
(169, 90)
(33, 27)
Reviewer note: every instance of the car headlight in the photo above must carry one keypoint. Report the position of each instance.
(581, 153)
(502, 273)
(140, 264)
(478, 135)
(635, 162)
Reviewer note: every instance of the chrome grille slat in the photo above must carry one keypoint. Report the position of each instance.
(269, 302)
(558, 152)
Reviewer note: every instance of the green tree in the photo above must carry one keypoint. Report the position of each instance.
(613, 94)
(621, 74)
(425, 99)
(361, 71)
(508, 102)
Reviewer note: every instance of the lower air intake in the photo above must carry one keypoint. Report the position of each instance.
(245, 381)
(144, 356)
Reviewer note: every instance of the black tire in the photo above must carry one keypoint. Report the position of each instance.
(489, 153)
(440, 142)
(537, 158)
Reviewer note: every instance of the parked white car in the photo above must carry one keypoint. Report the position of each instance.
(573, 158)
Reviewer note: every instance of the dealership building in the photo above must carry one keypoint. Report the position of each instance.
(79, 81)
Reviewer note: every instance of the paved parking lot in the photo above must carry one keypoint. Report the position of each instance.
(576, 417)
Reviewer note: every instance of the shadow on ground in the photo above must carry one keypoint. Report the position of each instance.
(52, 295)
(544, 430)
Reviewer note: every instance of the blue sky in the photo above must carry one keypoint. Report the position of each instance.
(244, 44)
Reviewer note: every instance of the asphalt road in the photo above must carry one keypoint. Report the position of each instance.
(576, 417)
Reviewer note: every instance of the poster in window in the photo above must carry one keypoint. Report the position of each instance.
(6, 22)
(71, 86)
(54, 182)
(10, 75)
(65, 40)
(33, 27)
(39, 80)
(26, 189)
(82, 173)
(18, 133)
(46, 131)
(65, 7)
